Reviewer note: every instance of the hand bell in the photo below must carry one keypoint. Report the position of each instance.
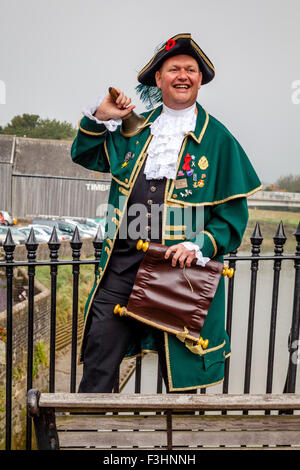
(132, 122)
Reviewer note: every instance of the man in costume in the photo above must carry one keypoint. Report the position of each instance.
(180, 157)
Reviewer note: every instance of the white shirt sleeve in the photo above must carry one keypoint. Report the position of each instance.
(89, 110)
(201, 260)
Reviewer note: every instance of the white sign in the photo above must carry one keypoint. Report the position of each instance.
(97, 187)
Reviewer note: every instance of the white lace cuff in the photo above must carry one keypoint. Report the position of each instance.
(89, 110)
(201, 260)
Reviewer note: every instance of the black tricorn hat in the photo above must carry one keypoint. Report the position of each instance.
(179, 44)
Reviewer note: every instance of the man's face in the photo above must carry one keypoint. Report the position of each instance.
(179, 79)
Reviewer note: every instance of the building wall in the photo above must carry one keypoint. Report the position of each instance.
(38, 177)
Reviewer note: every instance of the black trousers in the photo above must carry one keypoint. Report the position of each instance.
(107, 341)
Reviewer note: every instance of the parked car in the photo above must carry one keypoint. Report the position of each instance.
(83, 226)
(89, 225)
(64, 227)
(16, 235)
(2, 220)
(40, 235)
(8, 218)
(48, 230)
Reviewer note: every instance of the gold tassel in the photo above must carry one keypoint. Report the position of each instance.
(183, 334)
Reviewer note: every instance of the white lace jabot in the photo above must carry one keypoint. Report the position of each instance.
(168, 131)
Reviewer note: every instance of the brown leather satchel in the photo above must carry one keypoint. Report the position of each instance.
(173, 299)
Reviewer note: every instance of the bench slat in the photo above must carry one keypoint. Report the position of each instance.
(108, 439)
(180, 438)
(118, 402)
(183, 422)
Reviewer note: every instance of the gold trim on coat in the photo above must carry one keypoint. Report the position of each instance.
(213, 203)
(175, 237)
(175, 227)
(212, 240)
(170, 381)
(90, 132)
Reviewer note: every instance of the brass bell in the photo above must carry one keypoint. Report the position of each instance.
(132, 122)
(142, 245)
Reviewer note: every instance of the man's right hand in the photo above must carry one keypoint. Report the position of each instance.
(109, 109)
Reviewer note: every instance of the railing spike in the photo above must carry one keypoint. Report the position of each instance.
(297, 233)
(76, 236)
(9, 241)
(54, 245)
(256, 237)
(297, 236)
(279, 239)
(31, 240)
(54, 238)
(98, 237)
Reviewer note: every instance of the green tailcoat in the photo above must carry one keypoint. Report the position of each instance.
(214, 177)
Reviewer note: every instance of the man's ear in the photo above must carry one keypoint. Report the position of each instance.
(200, 80)
(157, 78)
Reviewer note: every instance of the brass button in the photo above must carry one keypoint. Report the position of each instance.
(149, 202)
(148, 228)
(174, 196)
(153, 189)
(126, 180)
(148, 215)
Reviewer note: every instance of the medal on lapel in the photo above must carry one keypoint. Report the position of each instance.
(203, 163)
(127, 157)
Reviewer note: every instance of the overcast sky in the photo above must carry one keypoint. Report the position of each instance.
(57, 55)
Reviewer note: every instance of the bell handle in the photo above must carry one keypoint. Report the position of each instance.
(113, 93)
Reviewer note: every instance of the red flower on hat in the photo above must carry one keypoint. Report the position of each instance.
(170, 43)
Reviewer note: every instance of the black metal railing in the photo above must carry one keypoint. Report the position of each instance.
(255, 258)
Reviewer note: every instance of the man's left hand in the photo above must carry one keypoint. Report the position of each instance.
(181, 254)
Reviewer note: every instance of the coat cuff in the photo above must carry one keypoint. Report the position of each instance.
(209, 247)
(90, 127)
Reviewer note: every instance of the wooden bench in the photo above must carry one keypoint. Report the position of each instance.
(81, 421)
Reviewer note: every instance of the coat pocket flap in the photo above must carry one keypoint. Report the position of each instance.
(212, 357)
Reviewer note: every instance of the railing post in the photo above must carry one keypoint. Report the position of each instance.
(256, 241)
(9, 247)
(31, 246)
(232, 264)
(294, 333)
(76, 245)
(54, 246)
(279, 241)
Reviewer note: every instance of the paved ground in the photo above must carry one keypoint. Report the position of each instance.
(63, 371)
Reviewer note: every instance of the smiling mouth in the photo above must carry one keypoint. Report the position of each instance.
(182, 87)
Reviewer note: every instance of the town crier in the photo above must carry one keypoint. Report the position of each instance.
(180, 157)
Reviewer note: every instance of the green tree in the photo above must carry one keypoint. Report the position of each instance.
(289, 183)
(31, 125)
